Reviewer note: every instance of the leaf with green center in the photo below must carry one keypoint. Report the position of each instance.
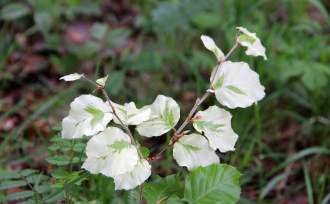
(207, 125)
(235, 89)
(164, 114)
(168, 116)
(119, 145)
(190, 147)
(96, 113)
(216, 183)
(219, 82)
(246, 38)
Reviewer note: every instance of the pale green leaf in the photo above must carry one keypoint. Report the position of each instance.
(246, 38)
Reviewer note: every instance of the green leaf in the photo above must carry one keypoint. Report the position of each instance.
(162, 188)
(27, 172)
(145, 152)
(43, 21)
(14, 11)
(316, 76)
(59, 160)
(115, 82)
(206, 20)
(217, 183)
(60, 173)
(55, 196)
(117, 37)
(147, 60)
(235, 89)
(9, 175)
(19, 195)
(174, 200)
(62, 160)
(133, 197)
(16, 175)
(43, 188)
(36, 178)
(12, 184)
(79, 147)
(99, 30)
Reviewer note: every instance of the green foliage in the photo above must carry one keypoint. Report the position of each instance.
(145, 152)
(32, 186)
(160, 50)
(43, 21)
(14, 10)
(217, 183)
(159, 190)
(314, 75)
(114, 82)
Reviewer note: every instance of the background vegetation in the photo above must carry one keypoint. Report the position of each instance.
(150, 47)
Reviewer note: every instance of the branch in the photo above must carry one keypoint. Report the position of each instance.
(192, 112)
(114, 112)
(180, 131)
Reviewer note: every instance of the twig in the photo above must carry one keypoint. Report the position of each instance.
(114, 112)
(231, 50)
(223, 60)
(179, 132)
(192, 112)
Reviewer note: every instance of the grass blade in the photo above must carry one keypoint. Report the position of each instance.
(271, 185)
(309, 186)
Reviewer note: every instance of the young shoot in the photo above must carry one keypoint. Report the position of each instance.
(114, 152)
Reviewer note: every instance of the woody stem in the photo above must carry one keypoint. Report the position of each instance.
(179, 132)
